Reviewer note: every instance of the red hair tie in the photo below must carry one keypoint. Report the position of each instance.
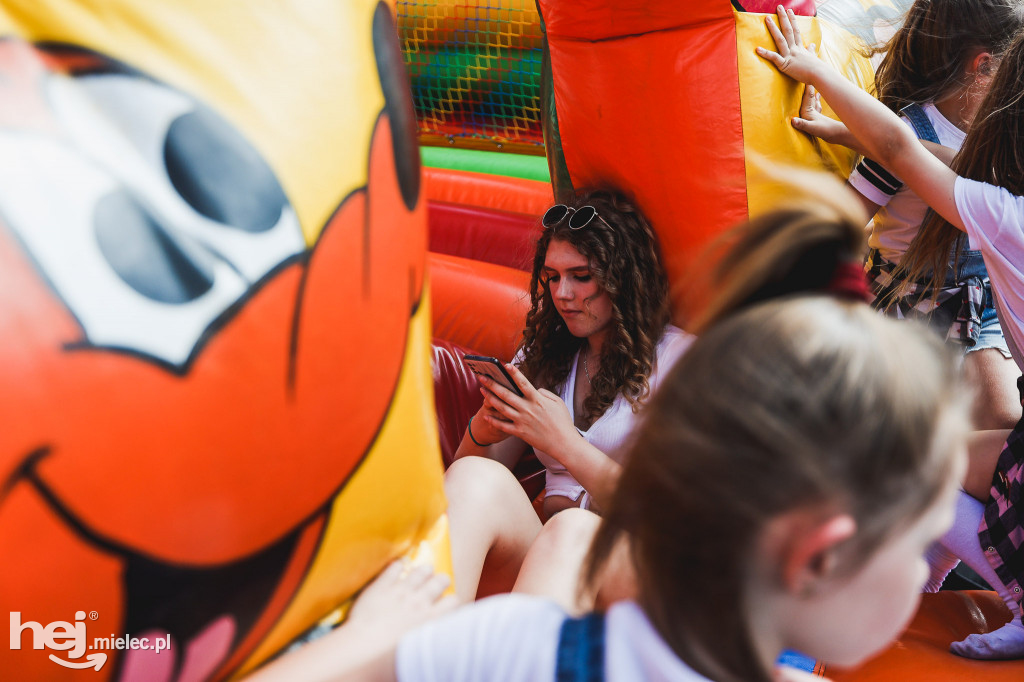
(849, 281)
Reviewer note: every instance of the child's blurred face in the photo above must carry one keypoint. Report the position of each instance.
(861, 614)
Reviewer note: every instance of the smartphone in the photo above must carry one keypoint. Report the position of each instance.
(492, 367)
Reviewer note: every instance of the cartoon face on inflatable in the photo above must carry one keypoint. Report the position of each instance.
(213, 345)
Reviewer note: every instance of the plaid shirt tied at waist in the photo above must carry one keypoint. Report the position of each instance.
(955, 312)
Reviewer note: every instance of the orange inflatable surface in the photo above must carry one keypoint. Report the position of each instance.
(921, 654)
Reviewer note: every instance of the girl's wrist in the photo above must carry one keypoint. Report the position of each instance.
(469, 429)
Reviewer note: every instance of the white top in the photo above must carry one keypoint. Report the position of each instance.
(609, 432)
(994, 219)
(900, 215)
(514, 638)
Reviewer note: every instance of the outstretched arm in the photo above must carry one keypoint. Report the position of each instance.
(362, 649)
(880, 132)
(813, 122)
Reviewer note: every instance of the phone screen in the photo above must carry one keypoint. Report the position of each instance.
(492, 367)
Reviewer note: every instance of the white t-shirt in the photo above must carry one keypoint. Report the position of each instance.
(994, 219)
(514, 638)
(900, 215)
(609, 432)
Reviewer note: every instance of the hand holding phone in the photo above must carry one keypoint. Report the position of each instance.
(493, 369)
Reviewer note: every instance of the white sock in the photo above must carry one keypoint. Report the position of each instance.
(962, 539)
(940, 562)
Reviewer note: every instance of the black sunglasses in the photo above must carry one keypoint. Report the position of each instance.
(578, 217)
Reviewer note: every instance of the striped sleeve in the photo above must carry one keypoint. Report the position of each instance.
(873, 181)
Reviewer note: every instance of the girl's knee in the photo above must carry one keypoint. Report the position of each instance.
(482, 478)
(572, 527)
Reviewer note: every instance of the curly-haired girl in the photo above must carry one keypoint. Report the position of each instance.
(596, 342)
(597, 338)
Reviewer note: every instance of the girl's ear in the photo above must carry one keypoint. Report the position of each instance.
(983, 64)
(812, 553)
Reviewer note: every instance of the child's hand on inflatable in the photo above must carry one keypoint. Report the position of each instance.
(813, 122)
(792, 58)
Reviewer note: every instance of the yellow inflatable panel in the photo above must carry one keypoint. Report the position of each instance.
(214, 330)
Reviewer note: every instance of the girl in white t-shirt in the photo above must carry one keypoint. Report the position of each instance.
(936, 70)
(782, 487)
(980, 195)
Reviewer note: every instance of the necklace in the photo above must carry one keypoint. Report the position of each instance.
(585, 370)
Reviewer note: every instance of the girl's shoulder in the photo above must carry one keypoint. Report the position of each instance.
(945, 130)
(988, 208)
(672, 344)
(636, 650)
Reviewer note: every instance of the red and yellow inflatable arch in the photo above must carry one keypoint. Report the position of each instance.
(669, 100)
(214, 329)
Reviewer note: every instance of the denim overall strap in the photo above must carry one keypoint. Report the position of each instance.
(922, 126)
(581, 650)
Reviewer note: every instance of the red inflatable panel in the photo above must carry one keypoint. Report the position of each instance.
(806, 8)
(680, 142)
(488, 235)
(478, 305)
(499, 192)
(921, 654)
(589, 20)
(457, 397)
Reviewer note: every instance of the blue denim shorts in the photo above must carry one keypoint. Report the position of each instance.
(991, 332)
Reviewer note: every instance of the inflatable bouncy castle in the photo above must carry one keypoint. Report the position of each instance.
(217, 414)
(218, 289)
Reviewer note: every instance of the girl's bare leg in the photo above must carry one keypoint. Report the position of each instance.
(553, 567)
(994, 376)
(492, 525)
(983, 448)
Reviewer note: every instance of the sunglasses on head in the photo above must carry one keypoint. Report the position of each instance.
(578, 217)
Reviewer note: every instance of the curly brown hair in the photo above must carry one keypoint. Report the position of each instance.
(625, 260)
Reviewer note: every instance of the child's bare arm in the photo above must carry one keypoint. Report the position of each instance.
(363, 648)
(813, 122)
(881, 134)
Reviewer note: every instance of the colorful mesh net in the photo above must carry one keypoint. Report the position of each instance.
(475, 68)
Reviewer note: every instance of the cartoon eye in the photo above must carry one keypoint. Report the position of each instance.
(221, 175)
(148, 212)
(159, 265)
